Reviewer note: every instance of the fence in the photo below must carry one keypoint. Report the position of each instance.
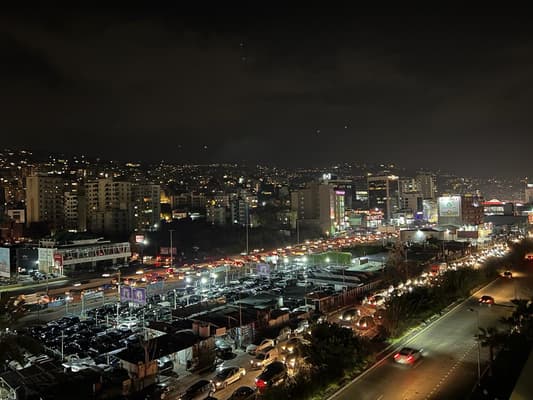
(346, 297)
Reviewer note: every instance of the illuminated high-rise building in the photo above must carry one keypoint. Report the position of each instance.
(384, 194)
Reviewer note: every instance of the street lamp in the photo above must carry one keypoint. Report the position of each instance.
(142, 245)
(478, 346)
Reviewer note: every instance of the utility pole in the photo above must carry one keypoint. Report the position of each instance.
(297, 231)
(170, 231)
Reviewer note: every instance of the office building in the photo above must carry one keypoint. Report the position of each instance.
(384, 194)
(426, 185)
(320, 204)
(529, 193)
(460, 210)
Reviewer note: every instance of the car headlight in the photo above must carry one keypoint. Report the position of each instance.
(218, 383)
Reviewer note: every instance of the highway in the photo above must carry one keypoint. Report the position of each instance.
(448, 368)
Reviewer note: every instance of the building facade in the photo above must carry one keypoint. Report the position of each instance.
(45, 200)
(384, 194)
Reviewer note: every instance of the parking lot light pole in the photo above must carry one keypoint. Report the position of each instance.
(62, 344)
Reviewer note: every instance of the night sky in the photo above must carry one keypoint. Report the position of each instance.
(295, 90)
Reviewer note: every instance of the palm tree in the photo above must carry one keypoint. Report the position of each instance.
(493, 339)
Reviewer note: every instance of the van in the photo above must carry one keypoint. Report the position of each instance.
(264, 358)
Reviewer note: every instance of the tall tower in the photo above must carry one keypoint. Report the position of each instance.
(384, 194)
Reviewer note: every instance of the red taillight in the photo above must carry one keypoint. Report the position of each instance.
(397, 355)
(410, 358)
(260, 383)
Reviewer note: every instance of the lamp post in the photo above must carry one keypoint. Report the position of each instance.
(62, 344)
(478, 347)
(143, 244)
(247, 227)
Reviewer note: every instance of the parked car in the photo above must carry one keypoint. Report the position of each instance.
(489, 300)
(200, 390)
(243, 393)
(227, 376)
(253, 349)
(508, 274)
(262, 359)
(128, 323)
(272, 375)
(407, 355)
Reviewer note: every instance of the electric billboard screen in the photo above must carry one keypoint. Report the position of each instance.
(450, 206)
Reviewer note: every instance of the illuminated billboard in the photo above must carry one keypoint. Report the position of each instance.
(5, 265)
(450, 206)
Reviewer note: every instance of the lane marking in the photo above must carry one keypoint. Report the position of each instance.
(407, 341)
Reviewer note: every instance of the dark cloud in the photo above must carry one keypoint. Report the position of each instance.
(152, 84)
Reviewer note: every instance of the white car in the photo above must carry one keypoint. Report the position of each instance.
(227, 376)
(76, 364)
(253, 349)
(127, 323)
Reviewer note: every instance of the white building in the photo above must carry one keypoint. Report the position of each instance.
(45, 200)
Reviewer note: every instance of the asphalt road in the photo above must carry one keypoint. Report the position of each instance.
(448, 368)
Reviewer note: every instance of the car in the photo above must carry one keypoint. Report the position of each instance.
(365, 322)
(349, 315)
(508, 274)
(489, 300)
(262, 359)
(163, 363)
(376, 300)
(407, 355)
(290, 345)
(243, 393)
(254, 349)
(128, 323)
(272, 375)
(200, 390)
(227, 376)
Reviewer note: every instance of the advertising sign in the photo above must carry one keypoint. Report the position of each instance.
(165, 251)
(46, 258)
(58, 260)
(139, 238)
(5, 265)
(125, 293)
(450, 206)
(263, 269)
(139, 295)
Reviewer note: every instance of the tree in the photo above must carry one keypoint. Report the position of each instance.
(493, 339)
(12, 343)
(332, 349)
(11, 310)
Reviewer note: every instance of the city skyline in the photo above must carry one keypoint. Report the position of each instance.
(294, 90)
